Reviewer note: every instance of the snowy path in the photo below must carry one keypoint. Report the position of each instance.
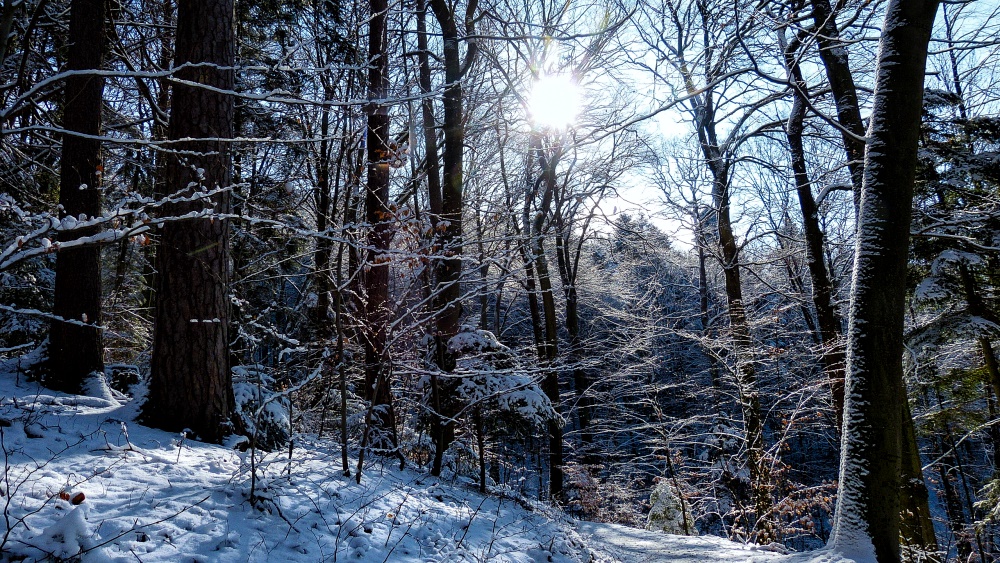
(613, 544)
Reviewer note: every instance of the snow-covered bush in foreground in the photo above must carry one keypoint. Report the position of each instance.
(495, 400)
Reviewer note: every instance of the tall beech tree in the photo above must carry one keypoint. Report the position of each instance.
(822, 285)
(869, 505)
(76, 350)
(917, 526)
(191, 384)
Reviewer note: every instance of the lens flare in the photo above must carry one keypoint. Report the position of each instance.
(554, 101)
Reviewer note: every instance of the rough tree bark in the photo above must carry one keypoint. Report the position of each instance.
(76, 351)
(191, 384)
(917, 527)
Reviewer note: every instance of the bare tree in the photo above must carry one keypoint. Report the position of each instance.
(449, 268)
(379, 216)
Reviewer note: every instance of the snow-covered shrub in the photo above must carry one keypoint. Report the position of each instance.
(493, 396)
(67, 537)
(25, 285)
(669, 512)
(262, 412)
(490, 373)
(123, 377)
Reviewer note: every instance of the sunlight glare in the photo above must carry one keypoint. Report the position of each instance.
(554, 101)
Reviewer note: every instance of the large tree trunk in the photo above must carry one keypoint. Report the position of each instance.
(917, 529)
(75, 350)
(868, 508)
(191, 385)
(379, 217)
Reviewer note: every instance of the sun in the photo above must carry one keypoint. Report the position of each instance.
(554, 102)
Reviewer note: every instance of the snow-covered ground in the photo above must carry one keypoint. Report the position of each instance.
(151, 496)
(612, 542)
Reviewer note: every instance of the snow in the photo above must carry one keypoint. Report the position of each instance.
(67, 536)
(155, 496)
(614, 543)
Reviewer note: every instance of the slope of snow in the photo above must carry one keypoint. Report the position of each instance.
(153, 496)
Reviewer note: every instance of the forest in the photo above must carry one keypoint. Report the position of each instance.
(712, 267)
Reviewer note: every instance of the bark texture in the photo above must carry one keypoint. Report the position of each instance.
(448, 270)
(191, 383)
(75, 351)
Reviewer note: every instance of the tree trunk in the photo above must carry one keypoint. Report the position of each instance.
(581, 379)
(550, 340)
(706, 327)
(916, 525)
(190, 383)
(440, 433)
(448, 295)
(379, 217)
(822, 288)
(75, 351)
(953, 508)
(746, 378)
(322, 282)
(845, 96)
(427, 113)
(868, 507)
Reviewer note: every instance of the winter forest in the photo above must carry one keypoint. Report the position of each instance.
(452, 280)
